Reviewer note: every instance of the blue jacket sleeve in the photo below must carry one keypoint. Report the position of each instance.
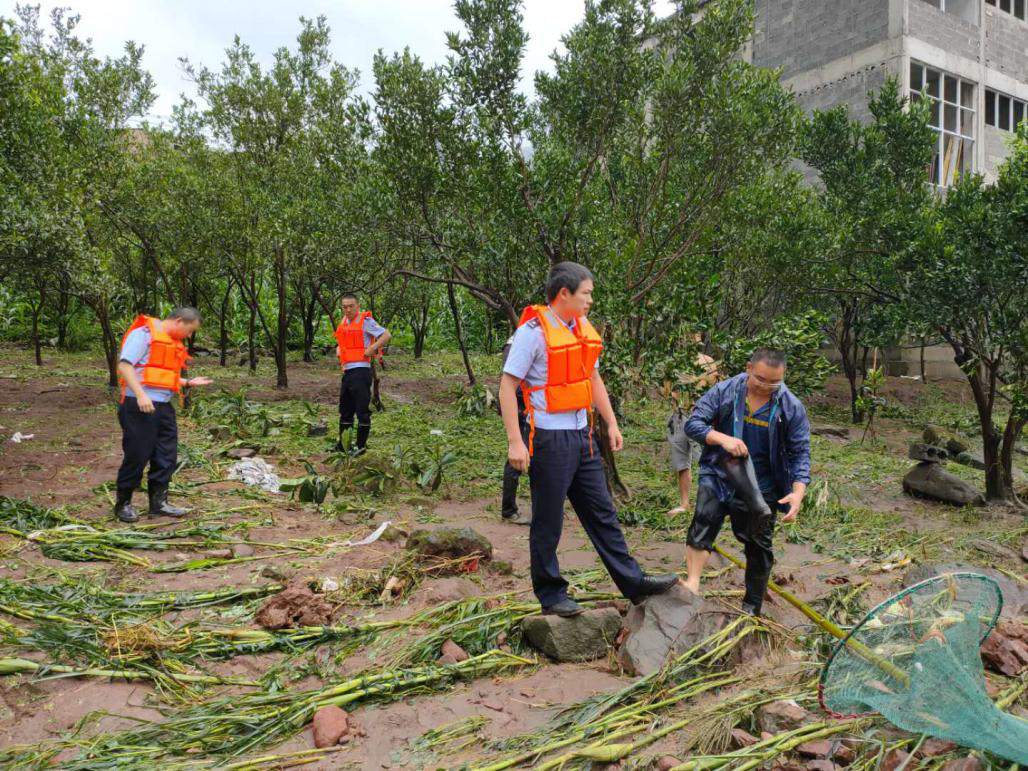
(797, 445)
(704, 413)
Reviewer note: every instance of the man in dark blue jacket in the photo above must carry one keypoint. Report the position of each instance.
(750, 414)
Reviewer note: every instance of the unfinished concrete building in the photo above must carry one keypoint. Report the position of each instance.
(969, 57)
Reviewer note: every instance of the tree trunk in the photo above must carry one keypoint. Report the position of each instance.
(310, 319)
(36, 346)
(223, 324)
(110, 342)
(251, 334)
(924, 374)
(63, 313)
(282, 335)
(451, 296)
(848, 351)
(1006, 456)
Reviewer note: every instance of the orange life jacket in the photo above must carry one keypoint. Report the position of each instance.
(163, 368)
(571, 356)
(350, 337)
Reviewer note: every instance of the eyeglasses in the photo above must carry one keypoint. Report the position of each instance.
(770, 385)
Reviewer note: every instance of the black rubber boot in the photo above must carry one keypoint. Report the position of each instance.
(363, 432)
(123, 508)
(743, 477)
(509, 503)
(159, 506)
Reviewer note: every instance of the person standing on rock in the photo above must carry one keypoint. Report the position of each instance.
(682, 448)
(150, 374)
(554, 359)
(511, 476)
(359, 338)
(752, 414)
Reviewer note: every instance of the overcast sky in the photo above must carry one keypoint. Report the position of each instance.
(202, 29)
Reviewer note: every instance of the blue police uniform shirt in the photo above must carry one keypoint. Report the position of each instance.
(372, 331)
(136, 351)
(527, 361)
(755, 433)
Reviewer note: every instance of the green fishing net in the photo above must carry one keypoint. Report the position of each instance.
(915, 660)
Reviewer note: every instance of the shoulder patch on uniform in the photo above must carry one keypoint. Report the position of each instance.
(532, 323)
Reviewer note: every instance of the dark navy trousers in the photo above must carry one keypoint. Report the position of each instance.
(147, 439)
(567, 465)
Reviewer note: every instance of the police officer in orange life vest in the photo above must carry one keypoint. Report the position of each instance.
(150, 368)
(553, 359)
(359, 338)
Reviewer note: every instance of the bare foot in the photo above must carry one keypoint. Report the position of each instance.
(685, 584)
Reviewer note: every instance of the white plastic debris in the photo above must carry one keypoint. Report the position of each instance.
(19, 437)
(435, 432)
(371, 538)
(329, 584)
(255, 472)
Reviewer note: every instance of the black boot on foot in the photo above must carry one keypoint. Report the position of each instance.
(362, 439)
(159, 506)
(651, 585)
(123, 508)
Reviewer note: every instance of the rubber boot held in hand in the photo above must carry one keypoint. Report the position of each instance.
(743, 478)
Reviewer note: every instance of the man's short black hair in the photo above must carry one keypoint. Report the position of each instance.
(770, 356)
(186, 313)
(566, 275)
(348, 296)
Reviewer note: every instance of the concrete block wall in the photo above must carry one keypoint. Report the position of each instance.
(944, 30)
(1006, 44)
(851, 89)
(995, 150)
(799, 35)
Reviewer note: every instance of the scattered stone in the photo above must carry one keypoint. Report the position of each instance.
(238, 453)
(1020, 449)
(818, 749)
(446, 658)
(927, 453)
(969, 459)
(1015, 593)
(994, 549)
(668, 762)
(844, 753)
(822, 764)
(330, 724)
(392, 534)
(842, 433)
(317, 429)
(934, 747)
(242, 550)
(294, 606)
(219, 554)
(741, 738)
(930, 480)
(450, 543)
(666, 625)
(779, 716)
(931, 435)
(450, 648)
(893, 760)
(1004, 654)
(955, 447)
(436, 591)
(581, 638)
(501, 567)
(970, 763)
(272, 572)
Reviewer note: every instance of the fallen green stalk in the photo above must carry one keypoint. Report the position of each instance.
(17, 666)
(230, 726)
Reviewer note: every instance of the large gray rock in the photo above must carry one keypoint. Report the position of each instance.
(930, 480)
(927, 452)
(664, 626)
(969, 459)
(1015, 594)
(450, 543)
(955, 446)
(580, 638)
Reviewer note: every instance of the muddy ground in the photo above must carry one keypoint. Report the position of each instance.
(75, 452)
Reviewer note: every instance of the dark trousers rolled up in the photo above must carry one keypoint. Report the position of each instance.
(706, 524)
(355, 399)
(147, 439)
(567, 465)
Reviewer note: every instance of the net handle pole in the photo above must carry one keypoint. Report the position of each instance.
(833, 629)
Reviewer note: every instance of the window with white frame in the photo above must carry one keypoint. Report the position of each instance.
(1018, 8)
(965, 9)
(1004, 111)
(952, 115)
